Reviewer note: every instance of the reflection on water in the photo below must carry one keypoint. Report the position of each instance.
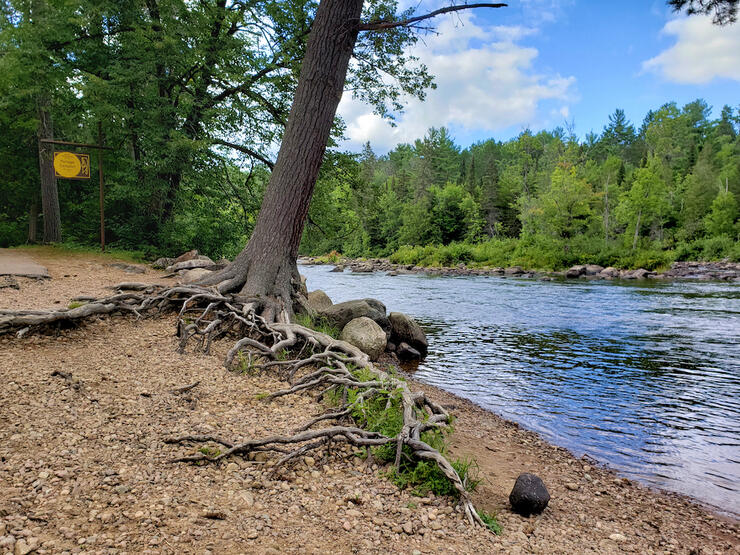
(644, 377)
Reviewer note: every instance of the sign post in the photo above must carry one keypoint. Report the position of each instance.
(75, 165)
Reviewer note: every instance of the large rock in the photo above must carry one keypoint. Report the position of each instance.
(406, 352)
(529, 496)
(162, 263)
(609, 272)
(575, 271)
(593, 269)
(318, 300)
(191, 276)
(376, 304)
(190, 264)
(365, 268)
(642, 273)
(513, 271)
(366, 335)
(405, 330)
(340, 314)
(184, 257)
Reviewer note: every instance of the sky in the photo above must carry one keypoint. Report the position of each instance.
(538, 64)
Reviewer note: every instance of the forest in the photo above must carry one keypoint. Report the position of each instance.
(193, 100)
(627, 197)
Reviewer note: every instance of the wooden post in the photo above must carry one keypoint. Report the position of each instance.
(100, 175)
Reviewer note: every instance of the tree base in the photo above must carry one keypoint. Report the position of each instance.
(319, 362)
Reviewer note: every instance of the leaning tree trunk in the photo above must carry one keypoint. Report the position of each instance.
(266, 269)
(49, 194)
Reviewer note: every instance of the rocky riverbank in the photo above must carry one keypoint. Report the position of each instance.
(84, 466)
(703, 271)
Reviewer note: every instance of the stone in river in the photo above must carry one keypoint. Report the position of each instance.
(407, 352)
(529, 495)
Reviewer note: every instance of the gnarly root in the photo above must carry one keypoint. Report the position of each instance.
(318, 363)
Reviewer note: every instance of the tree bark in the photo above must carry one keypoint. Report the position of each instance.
(637, 230)
(33, 215)
(49, 194)
(266, 268)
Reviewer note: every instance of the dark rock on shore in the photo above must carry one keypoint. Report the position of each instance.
(723, 270)
(404, 329)
(529, 496)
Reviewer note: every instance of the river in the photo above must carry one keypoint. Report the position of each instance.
(642, 376)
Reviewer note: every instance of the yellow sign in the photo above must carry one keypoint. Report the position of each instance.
(70, 165)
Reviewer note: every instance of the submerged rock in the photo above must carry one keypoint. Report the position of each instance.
(407, 352)
(529, 496)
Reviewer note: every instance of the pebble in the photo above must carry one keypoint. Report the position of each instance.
(617, 537)
(408, 527)
(346, 525)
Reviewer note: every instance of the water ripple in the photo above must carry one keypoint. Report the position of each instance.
(644, 377)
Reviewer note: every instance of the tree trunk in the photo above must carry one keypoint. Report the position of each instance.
(637, 230)
(49, 194)
(266, 268)
(33, 216)
(606, 211)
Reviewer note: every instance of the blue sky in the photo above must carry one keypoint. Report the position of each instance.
(539, 63)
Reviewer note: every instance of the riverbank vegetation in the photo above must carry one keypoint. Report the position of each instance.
(626, 197)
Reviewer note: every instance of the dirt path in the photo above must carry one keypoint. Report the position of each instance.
(17, 263)
(72, 274)
(84, 466)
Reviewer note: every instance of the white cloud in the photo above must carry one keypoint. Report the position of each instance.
(485, 83)
(702, 52)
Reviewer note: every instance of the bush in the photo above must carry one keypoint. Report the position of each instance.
(383, 413)
(716, 248)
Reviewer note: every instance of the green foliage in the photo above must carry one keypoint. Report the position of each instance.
(491, 522)
(193, 97)
(210, 451)
(723, 215)
(75, 304)
(318, 323)
(543, 200)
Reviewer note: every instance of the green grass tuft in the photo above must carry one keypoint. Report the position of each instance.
(491, 522)
(210, 451)
(319, 324)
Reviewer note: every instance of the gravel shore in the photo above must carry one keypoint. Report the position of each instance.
(84, 466)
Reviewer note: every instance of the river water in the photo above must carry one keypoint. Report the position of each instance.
(644, 377)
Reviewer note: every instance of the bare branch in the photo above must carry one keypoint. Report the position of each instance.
(386, 25)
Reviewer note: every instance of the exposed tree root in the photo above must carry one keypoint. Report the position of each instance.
(317, 363)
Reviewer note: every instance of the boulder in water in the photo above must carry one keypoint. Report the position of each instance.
(407, 352)
(404, 329)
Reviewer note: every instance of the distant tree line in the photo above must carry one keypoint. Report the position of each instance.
(664, 191)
